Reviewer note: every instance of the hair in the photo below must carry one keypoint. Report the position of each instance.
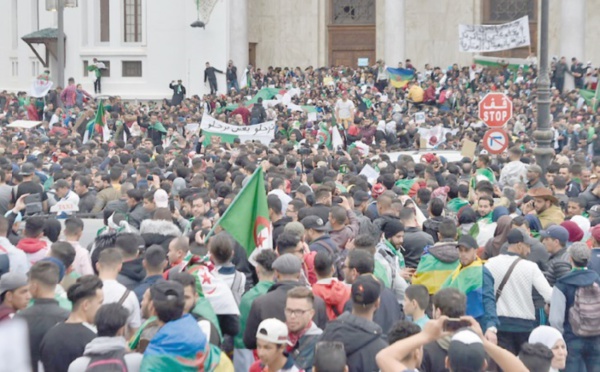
(287, 242)
(578, 200)
(34, 226)
(155, 257)
(265, 259)
(536, 357)
(185, 279)
(83, 181)
(424, 195)
(488, 198)
(419, 293)
(45, 272)
(182, 243)
(323, 264)
(322, 192)
(303, 293)
(297, 204)
(361, 260)
(447, 229)
(463, 191)
(110, 318)
(136, 195)
(85, 287)
(129, 244)
(274, 203)
(338, 214)
(110, 257)
(407, 214)
(170, 308)
(436, 207)
(560, 182)
(52, 228)
(64, 252)
(330, 356)
(450, 302)
(73, 226)
(401, 330)
(221, 248)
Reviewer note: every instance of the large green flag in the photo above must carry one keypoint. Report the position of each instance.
(247, 218)
(591, 97)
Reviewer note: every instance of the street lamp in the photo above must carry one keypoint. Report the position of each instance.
(59, 6)
(543, 135)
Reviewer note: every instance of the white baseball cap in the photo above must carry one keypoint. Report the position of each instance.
(274, 331)
(161, 199)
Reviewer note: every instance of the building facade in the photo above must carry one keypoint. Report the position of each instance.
(146, 44)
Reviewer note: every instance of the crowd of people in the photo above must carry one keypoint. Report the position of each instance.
(487, 263)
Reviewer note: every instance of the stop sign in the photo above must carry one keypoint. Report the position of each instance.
(495, 109)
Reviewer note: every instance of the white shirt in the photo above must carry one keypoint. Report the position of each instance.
(285, 199)
(344, 109)
(17, 259)
(113, 291)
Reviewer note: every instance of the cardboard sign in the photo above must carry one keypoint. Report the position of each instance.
(468, 149)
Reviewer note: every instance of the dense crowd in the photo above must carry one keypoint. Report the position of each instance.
(486, 263)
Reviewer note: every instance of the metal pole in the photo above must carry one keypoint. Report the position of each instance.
(543, 135)
(60, 78)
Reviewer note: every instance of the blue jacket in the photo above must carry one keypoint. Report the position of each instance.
(563, 296)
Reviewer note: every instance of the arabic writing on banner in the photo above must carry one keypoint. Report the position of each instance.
(263, 132)
(492, 38)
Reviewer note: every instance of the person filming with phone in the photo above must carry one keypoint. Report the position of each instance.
(34, 189)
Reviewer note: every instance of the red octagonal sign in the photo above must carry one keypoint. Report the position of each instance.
(495, 109)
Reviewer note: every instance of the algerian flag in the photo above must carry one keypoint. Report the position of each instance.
(247, 218)
(336, 138)
(590, 97)
(363, 148)
(323, 135)
(41, 86)
(158, 126)
(483, 174)
(98, 125)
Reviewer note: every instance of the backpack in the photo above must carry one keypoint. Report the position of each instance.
(584, 315)
(338, 256)
(113, 361)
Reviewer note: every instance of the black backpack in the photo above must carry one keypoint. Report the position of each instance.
(338, 257)
(113, 361)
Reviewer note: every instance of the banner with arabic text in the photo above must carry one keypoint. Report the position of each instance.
(492, 38)
(216, 131)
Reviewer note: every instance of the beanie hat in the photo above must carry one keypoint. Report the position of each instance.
(391, 228)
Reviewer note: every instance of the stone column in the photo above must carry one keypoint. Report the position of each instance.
(238, 35)
(394, 33)
(572, 34)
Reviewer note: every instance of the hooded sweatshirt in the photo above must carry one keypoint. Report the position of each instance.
(132, 273)
(104, 345)
(437, 264)
(334, 293)
(362, 340)
(34, 248)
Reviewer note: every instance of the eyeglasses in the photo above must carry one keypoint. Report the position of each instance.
(296, 312)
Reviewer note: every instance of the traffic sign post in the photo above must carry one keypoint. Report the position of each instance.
(495, 109)
(495, 141)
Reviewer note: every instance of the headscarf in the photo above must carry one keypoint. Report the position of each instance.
(545, 335)
(499, 212)
(534, 223)
(575, 232)
(492, 247)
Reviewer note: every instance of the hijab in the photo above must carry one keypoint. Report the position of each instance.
(492, 247)
(546, 336)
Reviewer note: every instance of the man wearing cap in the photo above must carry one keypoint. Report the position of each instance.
(272, 305)
(362, 338)
(534, 175)
(28, 186)
(63, 193)
(272, 340)
(473, 279)
(14, 294)
(583, 351)
(544, 204)
(317, 237)
(514, 302)
(555, 240)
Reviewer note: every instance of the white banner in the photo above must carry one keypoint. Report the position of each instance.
(40, 86)
(492, 38)
(263, 132)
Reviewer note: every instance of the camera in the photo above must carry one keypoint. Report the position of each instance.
(304, 151)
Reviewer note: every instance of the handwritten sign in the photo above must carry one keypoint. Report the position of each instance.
(419, 117)
(492, 38)
(263, 132)
(64, 206)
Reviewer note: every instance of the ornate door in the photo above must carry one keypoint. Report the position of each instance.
(351, 32)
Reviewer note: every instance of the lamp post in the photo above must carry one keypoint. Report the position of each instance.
(59, 7)
(543, 135)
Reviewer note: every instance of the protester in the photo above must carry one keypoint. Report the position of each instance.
(14, 294)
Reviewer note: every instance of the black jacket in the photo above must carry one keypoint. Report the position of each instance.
(388, 312)
(40, 317)
(132, 273)
(272, 305)
(209, 74)
(362, 340)
(415, 241)
(558, 266)
(432, 227)
(278, 227)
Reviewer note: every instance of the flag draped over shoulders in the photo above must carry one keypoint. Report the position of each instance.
(469, 280)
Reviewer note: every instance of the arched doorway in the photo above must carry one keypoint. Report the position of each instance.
(351, 32)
